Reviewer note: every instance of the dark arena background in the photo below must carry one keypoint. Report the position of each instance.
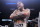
(8, 6)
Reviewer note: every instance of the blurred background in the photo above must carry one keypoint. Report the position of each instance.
(8, 6)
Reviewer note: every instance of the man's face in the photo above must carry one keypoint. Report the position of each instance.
(20, 5)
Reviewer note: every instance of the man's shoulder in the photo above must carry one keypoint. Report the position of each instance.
(15, 10)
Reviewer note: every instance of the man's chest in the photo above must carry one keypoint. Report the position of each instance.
(21, 11)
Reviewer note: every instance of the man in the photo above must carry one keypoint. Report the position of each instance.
(22, 15)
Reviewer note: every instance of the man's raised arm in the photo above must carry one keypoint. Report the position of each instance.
(13, 14)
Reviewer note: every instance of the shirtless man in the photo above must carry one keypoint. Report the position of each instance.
(22, 13)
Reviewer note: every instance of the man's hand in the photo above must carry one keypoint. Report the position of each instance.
(26, 12)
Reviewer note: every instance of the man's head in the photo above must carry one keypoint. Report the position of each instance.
(20, 5)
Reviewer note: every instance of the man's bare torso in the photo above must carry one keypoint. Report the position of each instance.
(24, 11)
